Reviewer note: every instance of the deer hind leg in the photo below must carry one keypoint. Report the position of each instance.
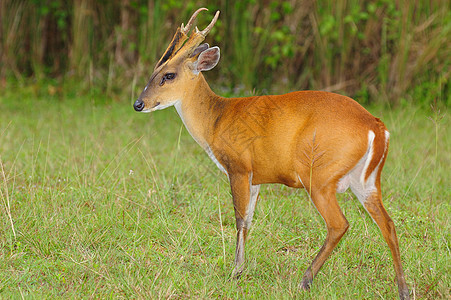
(327, 205)
(368, 191)
(371, 198)
(244, 200)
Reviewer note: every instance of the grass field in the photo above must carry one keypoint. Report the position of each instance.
(99, 201)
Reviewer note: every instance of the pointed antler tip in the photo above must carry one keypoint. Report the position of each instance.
(187, 28)
(210, 26)
(199, 10)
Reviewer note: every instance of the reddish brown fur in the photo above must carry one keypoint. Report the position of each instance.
(307, 139)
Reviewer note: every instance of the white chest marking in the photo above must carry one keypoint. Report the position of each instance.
(204, 145)
(214, 159)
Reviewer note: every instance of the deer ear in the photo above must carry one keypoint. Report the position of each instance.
(200, 49)
(207, 60)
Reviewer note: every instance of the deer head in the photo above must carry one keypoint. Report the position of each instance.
(182, 62)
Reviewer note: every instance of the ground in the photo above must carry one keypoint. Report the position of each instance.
(98, 200)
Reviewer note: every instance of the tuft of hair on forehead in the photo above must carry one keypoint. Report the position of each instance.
(176, 43)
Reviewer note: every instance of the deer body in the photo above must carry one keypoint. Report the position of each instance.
(319, 141)
(281, 138)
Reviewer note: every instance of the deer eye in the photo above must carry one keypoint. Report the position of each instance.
(167, 76)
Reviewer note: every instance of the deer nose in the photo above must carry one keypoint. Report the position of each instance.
(139, 105)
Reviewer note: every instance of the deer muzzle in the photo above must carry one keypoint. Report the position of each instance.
(138, 105)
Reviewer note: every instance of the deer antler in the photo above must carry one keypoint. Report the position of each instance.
(197, 37)
(209, 27)
(181, 35)
(186, 29)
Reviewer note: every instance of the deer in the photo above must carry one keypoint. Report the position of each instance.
(319, 141)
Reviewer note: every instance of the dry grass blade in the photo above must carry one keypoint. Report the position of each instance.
(4, 193)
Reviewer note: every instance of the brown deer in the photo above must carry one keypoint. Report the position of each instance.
(320, 141)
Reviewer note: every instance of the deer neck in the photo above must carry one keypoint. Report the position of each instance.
(198, 111)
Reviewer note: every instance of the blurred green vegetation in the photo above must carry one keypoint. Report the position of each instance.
(380, 50)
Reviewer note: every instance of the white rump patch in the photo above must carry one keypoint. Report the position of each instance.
(356, 177)
(387, 138)
(360, 187)
(369, 155)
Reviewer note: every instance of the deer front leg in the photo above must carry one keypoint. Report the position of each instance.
(244, 200)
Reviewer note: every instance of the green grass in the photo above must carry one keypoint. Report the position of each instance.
(100, 201)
